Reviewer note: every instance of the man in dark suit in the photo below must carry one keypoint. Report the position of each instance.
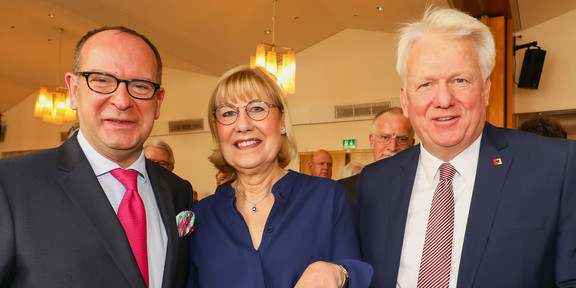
(58, 207)
(506, 218)
(391, 133)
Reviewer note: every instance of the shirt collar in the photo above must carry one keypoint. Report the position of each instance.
(465, 163)
(102, 165)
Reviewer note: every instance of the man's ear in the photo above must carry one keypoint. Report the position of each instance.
(404, 102)
(160, 93)
(72, 84)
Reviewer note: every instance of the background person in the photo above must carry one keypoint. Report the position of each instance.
(544, 126)
(63, 213)
(269, 227)
(160, 152)
(351, 169)
(320, 164)
(221, 178)
(391, 133)
(505, 218)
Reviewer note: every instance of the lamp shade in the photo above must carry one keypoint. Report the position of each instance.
(260, 55)
(53, 107)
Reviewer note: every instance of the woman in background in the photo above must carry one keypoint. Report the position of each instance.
(269, 227)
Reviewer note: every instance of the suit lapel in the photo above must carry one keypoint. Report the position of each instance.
(84, 190)
(398, 202)
(168, 214)
(493, 165)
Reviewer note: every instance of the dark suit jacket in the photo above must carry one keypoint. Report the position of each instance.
(521, 229)
(350, 184)
(59, 229)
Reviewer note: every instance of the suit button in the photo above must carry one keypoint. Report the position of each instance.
(276, 187)
(270, 229)
(281, 194)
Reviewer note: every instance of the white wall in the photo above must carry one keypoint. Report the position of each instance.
(556, 89)
(23, 131)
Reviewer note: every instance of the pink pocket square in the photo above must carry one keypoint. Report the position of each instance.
(185, 222)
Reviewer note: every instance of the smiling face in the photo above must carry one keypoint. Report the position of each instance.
(248, 144)
(445, 96)
(115, 124)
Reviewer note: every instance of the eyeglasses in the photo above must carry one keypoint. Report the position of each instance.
(256, 109)
(106, 84)
(164, 164)
(386, 139)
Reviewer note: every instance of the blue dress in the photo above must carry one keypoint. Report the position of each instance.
(310, 221)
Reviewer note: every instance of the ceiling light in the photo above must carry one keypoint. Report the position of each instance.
(54, 106)
(280, 63)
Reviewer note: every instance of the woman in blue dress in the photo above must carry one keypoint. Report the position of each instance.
(270, 227)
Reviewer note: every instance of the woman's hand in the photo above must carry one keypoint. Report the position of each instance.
(322, 275)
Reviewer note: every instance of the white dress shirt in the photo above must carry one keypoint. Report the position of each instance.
(425, 182)
(156, 233)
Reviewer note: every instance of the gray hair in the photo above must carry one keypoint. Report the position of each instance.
(351, 169)
(453, 24)
(162, 146)
(393, 110)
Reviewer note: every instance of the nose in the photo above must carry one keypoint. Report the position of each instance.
(120, 98)
(444, 97)
(393, 145)
(243, 123)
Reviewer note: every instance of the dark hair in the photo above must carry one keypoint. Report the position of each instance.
(121, 29)
(544, 126)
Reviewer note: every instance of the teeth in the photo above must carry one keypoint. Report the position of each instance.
(444, 118)
(247, 143)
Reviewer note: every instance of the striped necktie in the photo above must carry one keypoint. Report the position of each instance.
(437, 252)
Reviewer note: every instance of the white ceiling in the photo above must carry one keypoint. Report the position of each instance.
(207, 37)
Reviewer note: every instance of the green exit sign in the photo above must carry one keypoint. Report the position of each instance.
(349, 143)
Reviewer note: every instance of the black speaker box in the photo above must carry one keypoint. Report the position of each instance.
(531, 68)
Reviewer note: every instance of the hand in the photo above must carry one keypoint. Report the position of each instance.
(321, 275)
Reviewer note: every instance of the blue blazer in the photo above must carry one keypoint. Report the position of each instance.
(59, 229)
(521, 229)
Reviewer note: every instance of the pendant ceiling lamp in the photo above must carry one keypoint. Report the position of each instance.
(54, 106)
(278, 60)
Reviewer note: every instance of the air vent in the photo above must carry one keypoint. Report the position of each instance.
(186, 125)
(360, 110)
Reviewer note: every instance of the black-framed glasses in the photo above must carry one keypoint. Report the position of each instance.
(386, 139)
(257, 109)
(106, 84)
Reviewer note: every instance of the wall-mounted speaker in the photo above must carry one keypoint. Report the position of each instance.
(531, 68)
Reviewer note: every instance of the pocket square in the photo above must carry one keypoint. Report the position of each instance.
(185, 222)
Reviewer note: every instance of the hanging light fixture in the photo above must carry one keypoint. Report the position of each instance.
(54, 106)
(280, 63)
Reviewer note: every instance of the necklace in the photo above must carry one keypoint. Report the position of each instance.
(254, 209)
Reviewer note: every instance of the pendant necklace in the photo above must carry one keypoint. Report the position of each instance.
(254, 209)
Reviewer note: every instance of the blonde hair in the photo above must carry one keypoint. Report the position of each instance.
(239, 84)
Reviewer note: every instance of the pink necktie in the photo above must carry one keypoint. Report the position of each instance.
(132, 215)
(437, 253)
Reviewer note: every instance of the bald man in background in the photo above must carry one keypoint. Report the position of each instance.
(321, 164)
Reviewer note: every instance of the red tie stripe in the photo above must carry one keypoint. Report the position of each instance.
(437, 252)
